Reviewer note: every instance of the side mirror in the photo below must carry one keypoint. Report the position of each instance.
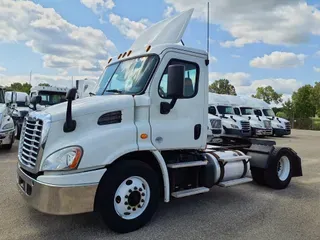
(175, 87)
(34, 101)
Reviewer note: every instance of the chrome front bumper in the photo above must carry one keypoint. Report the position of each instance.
(56, 199)
(263, 132)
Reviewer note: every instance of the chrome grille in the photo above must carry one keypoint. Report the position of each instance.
(245, 125)
(30, 141)
(267, 124)
(288, 126)
(215, 123)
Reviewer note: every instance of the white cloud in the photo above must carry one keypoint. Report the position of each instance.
(277, 60)
(128, 28)
(46, 32)
(316, 69)
(2, 69)
(213, 59)
(236, 78)
(318, 54)
(235, 56)
(280, 85)
(270, 22)
(168, 12)
(98, 6)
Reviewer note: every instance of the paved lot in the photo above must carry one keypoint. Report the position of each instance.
(241, 212)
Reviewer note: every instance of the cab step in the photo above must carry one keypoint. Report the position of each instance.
(233, 159)
(187, 164)
(189, 192)
(235, 182)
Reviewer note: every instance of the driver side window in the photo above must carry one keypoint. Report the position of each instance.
(191, 76)
(257, 112)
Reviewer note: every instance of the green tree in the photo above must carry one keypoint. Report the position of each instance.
(222, 86)
(18, 87)
(303, 102)
(44, 85)
(268, 94)
(281, 115)
(287, 109)
(316, 97)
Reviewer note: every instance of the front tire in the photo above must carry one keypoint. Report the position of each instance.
(127, 196)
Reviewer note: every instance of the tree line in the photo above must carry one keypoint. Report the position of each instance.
(24, 87)
(305, 102)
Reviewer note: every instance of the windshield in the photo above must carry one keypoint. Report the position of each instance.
(269, 112)
(51, 98)
(212, 110)
(225, 110)
(127, 77)
(246, 111)
(1, 96)
(21, 104)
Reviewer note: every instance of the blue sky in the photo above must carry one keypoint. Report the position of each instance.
(252, 44)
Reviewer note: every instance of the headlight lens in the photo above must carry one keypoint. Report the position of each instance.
(8, 126)
(64, 159)
(234, 126)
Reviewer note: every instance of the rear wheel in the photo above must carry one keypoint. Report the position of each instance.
(128, 195)
(279, 172)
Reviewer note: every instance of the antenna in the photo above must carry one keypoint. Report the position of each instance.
(208, 34)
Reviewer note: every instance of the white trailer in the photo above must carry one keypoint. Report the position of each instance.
(260, 125)
(6, 122)
(232, 124)
(280, 126)
(142, 137)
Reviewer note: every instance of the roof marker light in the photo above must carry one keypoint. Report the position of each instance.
(125, 53)
(119, 55)
(110, 60)
(148, 48)
(129, 53)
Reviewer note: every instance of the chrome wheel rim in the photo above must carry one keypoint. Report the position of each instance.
(283, 168)
(132, 197)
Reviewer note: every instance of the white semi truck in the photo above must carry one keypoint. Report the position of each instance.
(260, 125)
(280, 126)
(49, 95)
(142, 137)
(232, 124)
(6, 122)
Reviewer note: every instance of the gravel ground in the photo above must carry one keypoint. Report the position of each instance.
(242, 212)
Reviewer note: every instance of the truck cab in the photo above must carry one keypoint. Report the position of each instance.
(49, 95)
(232, 123)
(141, 136)
(6, 121)
(280, 126)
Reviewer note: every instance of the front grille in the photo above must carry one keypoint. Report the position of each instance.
(245, 126)
(288, 126)
(267, 124)
(216, 131)
(23, 113)
(215, 123)
(30, 142)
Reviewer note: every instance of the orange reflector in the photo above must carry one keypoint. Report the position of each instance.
(110, 60)
(125, 53)
(76, 159)
(148, 48)
(120, 56)
(129, 53)
(144, 135)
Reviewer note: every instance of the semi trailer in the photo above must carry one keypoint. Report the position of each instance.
(140, 137)
(232, 124)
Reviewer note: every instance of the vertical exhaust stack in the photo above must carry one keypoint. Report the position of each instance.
(70, 124)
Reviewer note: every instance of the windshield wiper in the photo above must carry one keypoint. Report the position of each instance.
(114, 91)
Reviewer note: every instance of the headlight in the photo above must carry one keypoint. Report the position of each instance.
(64, 159)
(8, 126)
(234, 126)
(279, 126)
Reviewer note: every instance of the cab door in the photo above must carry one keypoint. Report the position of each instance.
(185, 126)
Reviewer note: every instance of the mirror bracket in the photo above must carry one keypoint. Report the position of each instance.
(166, 107)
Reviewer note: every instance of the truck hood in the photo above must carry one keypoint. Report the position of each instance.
(278, 120)
(235, 117)
(90, 105)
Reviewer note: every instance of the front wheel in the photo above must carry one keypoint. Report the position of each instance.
(128, 195)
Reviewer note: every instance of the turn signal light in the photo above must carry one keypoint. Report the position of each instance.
(144, 136)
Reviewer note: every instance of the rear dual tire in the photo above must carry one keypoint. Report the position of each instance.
(127, 196)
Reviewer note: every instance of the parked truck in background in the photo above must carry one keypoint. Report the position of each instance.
(280, 126)
(141, 136)
(260, 125)
(232, 124)
(6, 121)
